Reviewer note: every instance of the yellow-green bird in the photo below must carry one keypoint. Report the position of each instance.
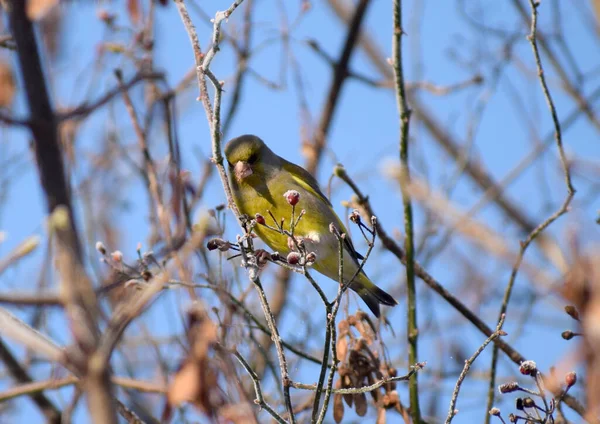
(259, 179)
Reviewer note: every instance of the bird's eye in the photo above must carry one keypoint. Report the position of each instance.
(252, 159)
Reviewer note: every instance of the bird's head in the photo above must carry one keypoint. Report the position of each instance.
(249, 158)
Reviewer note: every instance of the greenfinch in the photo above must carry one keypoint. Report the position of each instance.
(263, 182)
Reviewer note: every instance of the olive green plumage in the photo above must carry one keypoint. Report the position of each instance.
(259, 178)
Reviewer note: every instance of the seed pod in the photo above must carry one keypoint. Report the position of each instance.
(381, 416)
(374, 393)
(360, 404)
(347, 383)
(341, 348)
(338, 405)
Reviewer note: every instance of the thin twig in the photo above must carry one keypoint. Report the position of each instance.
(123, 316)
(340, 75)
(572, 89)
(30, 299)
(202, 72)
(452, 410)
(285, 378)
(54, 384)
(364, 389)
(260, 400)
(239, 304)
(330, 339)
(85, 109)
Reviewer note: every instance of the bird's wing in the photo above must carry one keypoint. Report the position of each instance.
(304, 179)
(308, 182)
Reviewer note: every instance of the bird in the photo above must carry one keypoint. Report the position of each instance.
(261, 183)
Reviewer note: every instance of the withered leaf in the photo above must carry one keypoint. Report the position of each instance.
(360, 404)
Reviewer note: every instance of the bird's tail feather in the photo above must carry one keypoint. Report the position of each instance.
(372, 295)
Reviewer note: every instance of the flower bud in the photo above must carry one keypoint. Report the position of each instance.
(117, 256)
(508, 387)
(260, 219)
(528, 368)
(571, 379)
(572, 312)
(292, 197)
(339, 170)
(218, 243)
(567, 334)
(519, 404)
(355, 216)
(311, 257)
(262, 257)
(495, 412)
(293, 258)
(100, 247)
(528, 402)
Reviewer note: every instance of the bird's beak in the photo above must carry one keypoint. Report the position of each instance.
(242, 170)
